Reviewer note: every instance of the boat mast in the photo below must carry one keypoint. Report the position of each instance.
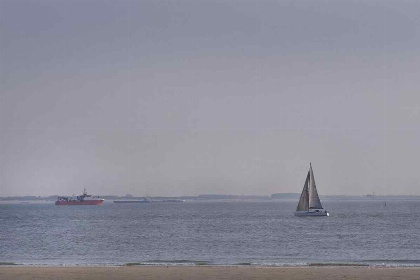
(307, 190)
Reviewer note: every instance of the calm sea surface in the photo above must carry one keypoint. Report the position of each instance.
(260, 233)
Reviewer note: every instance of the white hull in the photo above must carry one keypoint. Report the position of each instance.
(312, 213)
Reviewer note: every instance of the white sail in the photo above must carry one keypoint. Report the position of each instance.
(314, 202)
(303, 204)
(309, 204)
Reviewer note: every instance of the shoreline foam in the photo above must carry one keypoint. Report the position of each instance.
(207, 264)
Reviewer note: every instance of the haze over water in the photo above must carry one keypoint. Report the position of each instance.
(258, 233)
(170, 98)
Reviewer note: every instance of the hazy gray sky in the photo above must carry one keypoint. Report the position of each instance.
(192, 97)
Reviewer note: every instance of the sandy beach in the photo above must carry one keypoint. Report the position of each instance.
(207, 272)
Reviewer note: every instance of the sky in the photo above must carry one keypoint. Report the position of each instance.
(170, 98)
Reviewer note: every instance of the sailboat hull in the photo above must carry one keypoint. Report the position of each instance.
(312, 213)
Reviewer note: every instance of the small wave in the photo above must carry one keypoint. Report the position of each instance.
(133, 264)
(243, 263)
(394, 261)
(337, 264)
(8, 263)
(280, 264)
(168, 262)
(371, 263)
(72, 264)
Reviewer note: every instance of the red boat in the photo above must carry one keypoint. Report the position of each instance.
(84, 199)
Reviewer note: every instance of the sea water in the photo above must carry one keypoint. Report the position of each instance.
(358, 232)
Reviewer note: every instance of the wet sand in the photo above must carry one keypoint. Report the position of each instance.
(207, 272)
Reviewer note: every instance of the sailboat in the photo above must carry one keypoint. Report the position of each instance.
(309, 204)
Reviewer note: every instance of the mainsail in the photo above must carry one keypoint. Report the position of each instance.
(303, 204)
(314, 201)
(309, 198)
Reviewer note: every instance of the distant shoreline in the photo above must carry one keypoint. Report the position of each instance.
(220, 197)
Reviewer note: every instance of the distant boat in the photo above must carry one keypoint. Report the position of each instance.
(172, 200)
(132, 201)
(309, 204)
(84, 199)
(145, 200)
(148, 200)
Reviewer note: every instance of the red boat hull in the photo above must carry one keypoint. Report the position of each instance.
(85, 202)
